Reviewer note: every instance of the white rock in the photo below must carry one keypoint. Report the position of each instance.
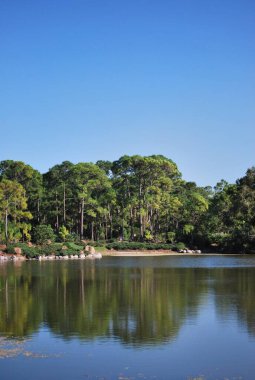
(3, 258)
(98, 255)
(92, 250)
(90, 256)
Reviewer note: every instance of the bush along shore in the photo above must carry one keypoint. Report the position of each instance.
(82, 250)
(50, 251)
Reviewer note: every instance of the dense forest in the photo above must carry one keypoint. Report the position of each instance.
(133, 199)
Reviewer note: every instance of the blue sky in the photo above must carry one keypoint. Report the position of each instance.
(83, 80)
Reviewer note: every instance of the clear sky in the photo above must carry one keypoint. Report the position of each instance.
(83, 80)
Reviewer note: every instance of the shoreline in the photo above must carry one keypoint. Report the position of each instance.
(99, 255)
(145, 253)
(161, 253)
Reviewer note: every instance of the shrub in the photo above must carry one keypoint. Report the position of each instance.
(74, 237)
(25, 249)
(50, 249)
(98, 243)
(56, 246)
(138, 246)
(179, 246)
(10, 248)
(42, 233)
(63, 233)
(73, 247)
(30, 252)
(171, 237)
(67, 252)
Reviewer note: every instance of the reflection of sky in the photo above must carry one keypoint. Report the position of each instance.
(182, 261)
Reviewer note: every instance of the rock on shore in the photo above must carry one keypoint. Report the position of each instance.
(189, 251)
(93, 256)
(82, 256)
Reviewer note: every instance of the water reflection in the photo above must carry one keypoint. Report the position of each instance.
(139, 305)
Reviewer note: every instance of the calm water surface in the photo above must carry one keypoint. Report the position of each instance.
(129, 318)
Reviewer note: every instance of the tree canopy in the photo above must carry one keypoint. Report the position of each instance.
(134, 198)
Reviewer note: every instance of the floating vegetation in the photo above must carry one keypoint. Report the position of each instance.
(10, 348)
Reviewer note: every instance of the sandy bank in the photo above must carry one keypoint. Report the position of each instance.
(162, 253)
(147, 253)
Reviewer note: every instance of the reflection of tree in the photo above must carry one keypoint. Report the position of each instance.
(153, 304)
(234, 290)
(20, 305)
(136, 305)
(80, 302)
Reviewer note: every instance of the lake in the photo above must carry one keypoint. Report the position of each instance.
(124, 318)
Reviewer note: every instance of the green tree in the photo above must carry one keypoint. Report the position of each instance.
(58, 201)
(144, 187)
(91, 187)
(13, 205)
(30, 179)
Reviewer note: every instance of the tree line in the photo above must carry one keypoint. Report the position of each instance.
(134, 198)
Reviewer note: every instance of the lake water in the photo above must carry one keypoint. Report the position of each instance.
(177, 318)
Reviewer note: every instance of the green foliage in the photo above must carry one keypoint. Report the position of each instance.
(56, 246)
(31, 252)
(10, 248)
(13, 205)
(99, 243)
(187, 229)
(122, 246)
(135, 198)
(74, 247)
(63, 233)
(148, 235)
(74, 237)
(171, 237)
(13, 231)
(42, 233)
(67, 252)
(179, 246)
(50, 249)
(29, 178)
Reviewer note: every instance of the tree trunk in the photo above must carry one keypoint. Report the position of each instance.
(15, 215)
(6, 225)
(106, 228)
(38, 210)
(140, 208)
(131, 224)
(82, 218)
(92, 231)
(64, 204)
(57, 221)
(122, 227)
(110, 220)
